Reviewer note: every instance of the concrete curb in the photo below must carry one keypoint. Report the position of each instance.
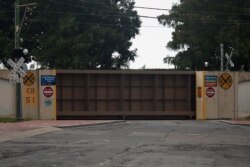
(233, 123)
(90, 124)
(29, 133)
(49, 129)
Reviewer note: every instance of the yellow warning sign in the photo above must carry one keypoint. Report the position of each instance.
(29, 79)
(225, 81)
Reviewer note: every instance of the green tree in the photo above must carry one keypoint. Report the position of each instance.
(76, 34)
(201, 25)
(6, 29)
(73, 34)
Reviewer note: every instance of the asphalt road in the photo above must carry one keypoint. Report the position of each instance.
(134, 144)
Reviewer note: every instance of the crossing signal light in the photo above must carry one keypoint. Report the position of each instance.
(18, 53)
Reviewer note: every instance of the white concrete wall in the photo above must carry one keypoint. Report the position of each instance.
(7, 96)
(244, 99)
(226, 98)
(200, 105)
(231, 103)
(30, 98)
(211, 103)
(219, 106)
(47, 110)
(34, 104)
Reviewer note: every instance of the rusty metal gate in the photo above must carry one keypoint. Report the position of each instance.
(125, 93)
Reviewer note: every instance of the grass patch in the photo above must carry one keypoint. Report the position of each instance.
(5, 120)
(27, 119)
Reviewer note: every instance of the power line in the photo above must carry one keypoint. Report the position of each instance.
(212, 21)
(98, 24)
(93, 14)
(188, 21)
(147, 8)
(123, 15)
(141, 7)
(150, 8)
(184, 11)
(152, 17)
(118, 14)
(111, 15)
(200, 12)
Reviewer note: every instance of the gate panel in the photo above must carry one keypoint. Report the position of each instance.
(125, 93)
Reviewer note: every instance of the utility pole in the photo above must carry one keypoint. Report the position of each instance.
(221, 56)
(17, 24)
(17, 46)
(17, 31)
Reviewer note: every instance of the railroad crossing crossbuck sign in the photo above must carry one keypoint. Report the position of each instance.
(29, 79)
(225, 81)
(229, 60)
(14, 78)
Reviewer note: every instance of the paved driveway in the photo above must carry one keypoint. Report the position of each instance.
(134, 144)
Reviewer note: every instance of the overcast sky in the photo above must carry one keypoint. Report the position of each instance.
(151, 42)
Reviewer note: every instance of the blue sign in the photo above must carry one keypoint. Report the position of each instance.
(48, 80)
(210, 81)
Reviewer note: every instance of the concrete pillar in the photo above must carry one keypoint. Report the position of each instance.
(47, 95)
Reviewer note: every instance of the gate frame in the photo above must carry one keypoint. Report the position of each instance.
(156, 73)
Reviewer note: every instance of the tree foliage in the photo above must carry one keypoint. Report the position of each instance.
(77, 34)
(6, 29)
(200, 26)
